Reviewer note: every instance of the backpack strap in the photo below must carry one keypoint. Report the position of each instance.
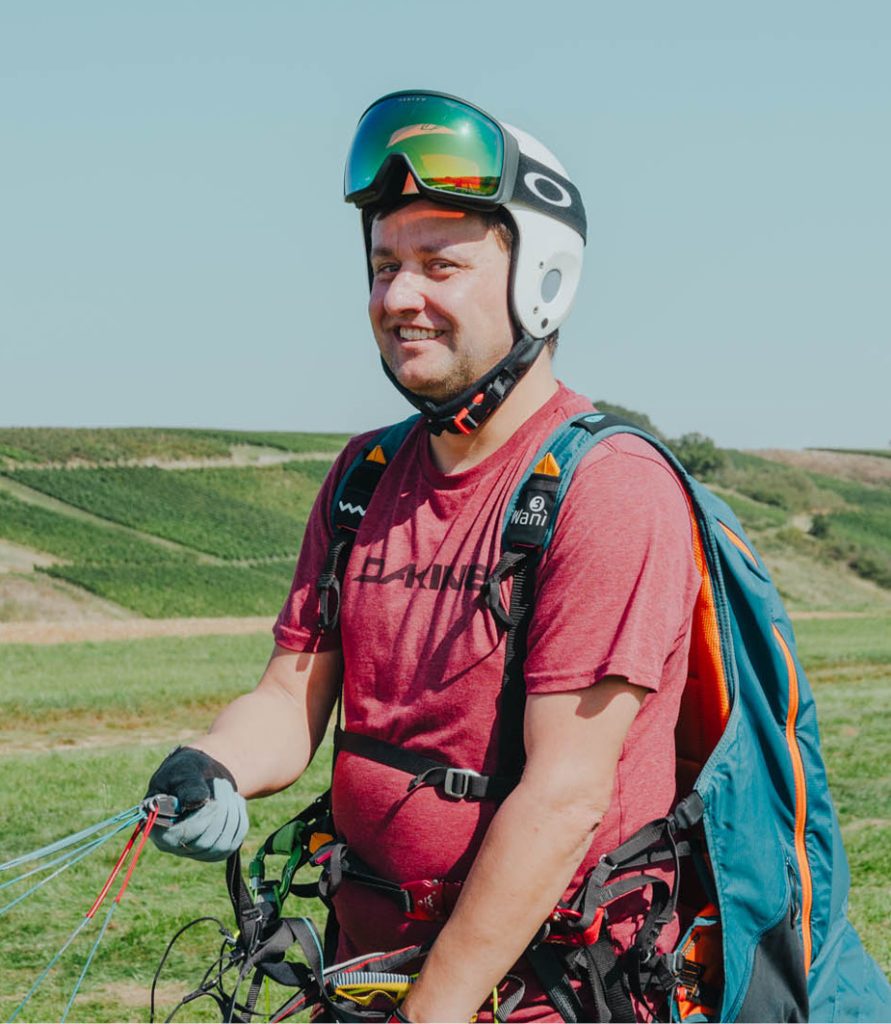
(528, 529)
(348, 507)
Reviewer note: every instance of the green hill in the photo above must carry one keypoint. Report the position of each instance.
(169, 523)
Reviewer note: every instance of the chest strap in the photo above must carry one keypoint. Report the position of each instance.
(455, 783)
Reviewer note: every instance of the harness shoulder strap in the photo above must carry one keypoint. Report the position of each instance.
(527, 530)
(348, 507)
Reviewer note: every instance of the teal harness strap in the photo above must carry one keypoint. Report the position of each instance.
(355, 488)
(348, 507)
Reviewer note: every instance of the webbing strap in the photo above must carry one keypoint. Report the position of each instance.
(512, 702)
(249, 917)
(548, 967)
(604, 972)
(594, 898)
(339, 863)
(352, 496)
(457, 783)
(508, 564)
(645, 838)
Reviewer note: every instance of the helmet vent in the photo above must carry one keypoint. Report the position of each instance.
(551, 285)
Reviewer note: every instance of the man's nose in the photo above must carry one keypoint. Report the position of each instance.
(404, 293)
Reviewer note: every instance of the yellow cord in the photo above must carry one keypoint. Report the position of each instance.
(364, 995)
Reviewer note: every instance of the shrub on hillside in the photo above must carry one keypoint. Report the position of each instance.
(699, 454)
(772, 483)
(820, 526)
(872, 565)
(638, 418)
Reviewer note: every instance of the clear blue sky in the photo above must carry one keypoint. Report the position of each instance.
(174, 249)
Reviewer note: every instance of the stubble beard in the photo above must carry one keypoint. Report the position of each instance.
(461, 375)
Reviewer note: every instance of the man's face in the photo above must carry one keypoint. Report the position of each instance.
(438, 303)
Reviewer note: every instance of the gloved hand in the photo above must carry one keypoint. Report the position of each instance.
(212, 817)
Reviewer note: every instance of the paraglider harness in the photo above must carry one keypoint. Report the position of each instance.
(573, 947)
(753, 847)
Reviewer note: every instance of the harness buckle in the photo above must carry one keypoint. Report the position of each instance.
(426, 899)
(456, 783)
(562, 928)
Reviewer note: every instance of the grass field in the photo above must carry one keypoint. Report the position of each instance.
(83, 726)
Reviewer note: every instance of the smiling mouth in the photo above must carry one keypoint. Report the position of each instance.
(417, 333)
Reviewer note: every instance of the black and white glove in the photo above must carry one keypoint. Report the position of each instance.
(212, 818)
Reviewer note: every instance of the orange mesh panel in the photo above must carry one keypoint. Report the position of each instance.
(705, 705)
(702, 970)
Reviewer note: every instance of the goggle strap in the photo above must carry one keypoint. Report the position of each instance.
(469, 410)
(535, 185)
(545, 189)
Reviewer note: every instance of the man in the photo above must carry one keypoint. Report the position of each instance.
(474, 239)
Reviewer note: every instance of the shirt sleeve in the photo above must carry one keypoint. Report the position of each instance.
(297, 625)
(616, 588)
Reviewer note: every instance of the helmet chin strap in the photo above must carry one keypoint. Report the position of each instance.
(469, 410)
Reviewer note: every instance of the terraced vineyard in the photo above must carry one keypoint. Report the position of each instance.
(167, 590)
(75, 540)
(209, 511)
(220, 539)
(161, 543)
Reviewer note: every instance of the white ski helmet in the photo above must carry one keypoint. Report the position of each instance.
(548, 252)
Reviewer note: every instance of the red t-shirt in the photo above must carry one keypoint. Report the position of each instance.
(423, 657)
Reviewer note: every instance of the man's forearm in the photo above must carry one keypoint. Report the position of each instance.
(527, 859)
(266, 738)
(261, 740)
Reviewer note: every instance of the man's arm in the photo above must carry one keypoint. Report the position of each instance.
(531, 850)
(266, 738)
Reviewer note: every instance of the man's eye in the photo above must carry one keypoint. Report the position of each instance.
(441, 265)
(385, 268)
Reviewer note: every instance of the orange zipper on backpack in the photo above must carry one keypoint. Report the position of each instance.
(804, 869)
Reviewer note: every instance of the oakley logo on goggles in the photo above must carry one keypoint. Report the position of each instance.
(455, 153)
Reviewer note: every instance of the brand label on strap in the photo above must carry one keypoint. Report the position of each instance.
(530, 519)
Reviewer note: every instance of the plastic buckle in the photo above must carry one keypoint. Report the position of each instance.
(566, 936)
(456, 783)
(459, 419)
(426, 899)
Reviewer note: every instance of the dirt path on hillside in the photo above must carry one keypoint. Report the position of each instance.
(240, 457)
(139, 629)
(128, 629)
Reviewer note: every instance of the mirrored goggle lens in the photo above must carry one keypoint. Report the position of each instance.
(451, 147)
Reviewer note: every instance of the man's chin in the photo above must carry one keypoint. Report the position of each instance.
(427, 383)
(433, 392)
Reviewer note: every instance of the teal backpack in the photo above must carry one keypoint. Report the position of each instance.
(761, 879)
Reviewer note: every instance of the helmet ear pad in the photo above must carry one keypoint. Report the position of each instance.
(547, 266)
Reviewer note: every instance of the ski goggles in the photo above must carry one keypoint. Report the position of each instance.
(455, 153)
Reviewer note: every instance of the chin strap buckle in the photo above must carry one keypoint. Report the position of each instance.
(481, 399)
(459, 420)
